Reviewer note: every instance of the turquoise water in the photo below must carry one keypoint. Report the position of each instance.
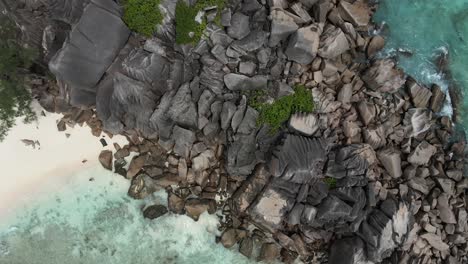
(93, 222)
(426, 28)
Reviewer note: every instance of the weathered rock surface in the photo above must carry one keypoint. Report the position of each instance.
(299, 159)
(304, 44)
(333, 43)
(282, 26)
(154, 211)
(91, 47)
(382, 76)
(391, 160)
(105, 158)
(306, 124)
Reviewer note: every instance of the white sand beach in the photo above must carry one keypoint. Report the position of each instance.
(27, 171)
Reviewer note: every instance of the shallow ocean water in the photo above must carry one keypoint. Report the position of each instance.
(94, 222)
(426, 28)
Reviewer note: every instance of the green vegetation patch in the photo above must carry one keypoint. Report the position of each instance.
(280, 111)
(15, 62)
(185, 20)
(142, 16)
(331, 182)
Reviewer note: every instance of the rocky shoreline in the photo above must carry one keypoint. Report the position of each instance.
(372, 175)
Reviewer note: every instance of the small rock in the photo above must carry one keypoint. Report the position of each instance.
(229, 238)
(246, 247)
(376, 44)
(435, 241)
(391, 161)
(236, 82)
(419, 184)
(105, 158)
(269, 252)
(195, 207)
(135, 166)
(175, 203)
(422, 154)
(446, 213)
(154, 211)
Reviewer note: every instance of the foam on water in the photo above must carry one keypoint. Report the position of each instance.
(90, 222)
(426, 28)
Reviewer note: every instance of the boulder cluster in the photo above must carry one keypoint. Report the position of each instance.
(375, 174)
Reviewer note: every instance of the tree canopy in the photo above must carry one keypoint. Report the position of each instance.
(15, 62)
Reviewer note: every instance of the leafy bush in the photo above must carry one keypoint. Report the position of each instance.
(331, 182)
(185, 20)
(280, 111)
(142, 16)
(15, 60)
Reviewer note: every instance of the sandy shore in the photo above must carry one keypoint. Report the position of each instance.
(28, 172)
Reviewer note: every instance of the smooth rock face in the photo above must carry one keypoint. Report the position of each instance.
(306, 124)
(333, 43)
(303, 45)
(92, 45)
(282, 26)
(382, 76)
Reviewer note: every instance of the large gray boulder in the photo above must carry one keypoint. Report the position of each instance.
(183, 109)
(282, 25)
(299, 159)
(382, 76)
(130, 105)
(240, 156)
(92, 46)
(240, 26)
(303, 45)
(333, 42)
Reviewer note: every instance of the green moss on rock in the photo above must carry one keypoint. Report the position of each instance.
(142, 16)
(280, 111)
(187, 29)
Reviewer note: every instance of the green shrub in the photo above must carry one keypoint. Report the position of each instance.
(15, 61)
(142, 16)
(280, 111)
(331, 182)
(185, 20)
